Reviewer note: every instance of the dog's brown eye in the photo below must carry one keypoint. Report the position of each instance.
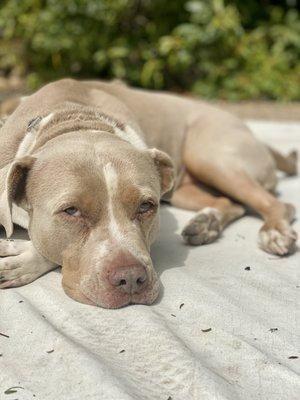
(145, 207)
(73, 211)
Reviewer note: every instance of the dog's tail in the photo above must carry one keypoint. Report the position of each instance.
(287, 164)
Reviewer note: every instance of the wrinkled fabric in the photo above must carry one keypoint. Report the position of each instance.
(226, 325)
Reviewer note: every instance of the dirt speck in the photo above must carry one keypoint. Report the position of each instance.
(273, 329)
(247, 268)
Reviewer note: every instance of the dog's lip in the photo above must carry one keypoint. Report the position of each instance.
(130, 299)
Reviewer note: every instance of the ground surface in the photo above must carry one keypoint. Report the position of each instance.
(225, 327)
(264, 110)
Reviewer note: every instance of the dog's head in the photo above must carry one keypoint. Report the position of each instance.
(93, 208)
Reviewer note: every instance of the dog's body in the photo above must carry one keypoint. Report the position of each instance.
(91, 141)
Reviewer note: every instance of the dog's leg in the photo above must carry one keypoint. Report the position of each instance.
(21, 263)
(276, 235)
(221, 152)
(213, 213)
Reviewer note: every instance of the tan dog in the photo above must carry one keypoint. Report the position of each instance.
(80, 169)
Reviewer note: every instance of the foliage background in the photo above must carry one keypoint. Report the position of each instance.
(239, 49)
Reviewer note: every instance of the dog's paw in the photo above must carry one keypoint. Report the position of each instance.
(279, 240)
(20, 263)
(204, 228)
(11, 247)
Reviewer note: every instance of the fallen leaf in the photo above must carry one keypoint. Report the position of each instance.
(12, 389)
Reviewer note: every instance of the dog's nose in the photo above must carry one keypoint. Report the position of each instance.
(130, 279)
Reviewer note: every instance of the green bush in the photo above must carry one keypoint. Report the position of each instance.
(213, 48)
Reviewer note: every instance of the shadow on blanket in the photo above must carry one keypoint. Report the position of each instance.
(169, 251)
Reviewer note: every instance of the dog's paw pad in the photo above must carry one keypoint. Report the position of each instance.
(280, 242)
(204, 228)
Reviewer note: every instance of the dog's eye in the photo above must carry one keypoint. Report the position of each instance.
(73, 211)
(145, 207)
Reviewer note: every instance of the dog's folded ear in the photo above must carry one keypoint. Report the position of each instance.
(165, 168)
(12, 189)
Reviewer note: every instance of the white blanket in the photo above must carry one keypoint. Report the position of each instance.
(219, 331)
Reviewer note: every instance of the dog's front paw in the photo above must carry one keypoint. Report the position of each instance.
(204, 228)
(20, 263)
(279, 240)
(13, 247)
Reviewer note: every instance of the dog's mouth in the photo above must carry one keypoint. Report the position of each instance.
(112, 299)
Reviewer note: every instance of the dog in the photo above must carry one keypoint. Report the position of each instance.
(84, 165)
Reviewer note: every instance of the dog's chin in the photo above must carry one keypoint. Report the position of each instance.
(113, 299)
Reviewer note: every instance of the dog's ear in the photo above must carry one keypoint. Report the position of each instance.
(12, 189)
(165, 168)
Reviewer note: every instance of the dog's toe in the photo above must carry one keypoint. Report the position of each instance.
(278, 241)
(17, 271)
(204, 228)
(10, 247)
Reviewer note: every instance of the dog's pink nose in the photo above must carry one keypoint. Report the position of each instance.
(130, 279)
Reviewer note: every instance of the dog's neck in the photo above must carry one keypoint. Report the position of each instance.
(72, 117)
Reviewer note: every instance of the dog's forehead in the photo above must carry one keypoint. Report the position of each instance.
(100, 173)
(127, 180)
